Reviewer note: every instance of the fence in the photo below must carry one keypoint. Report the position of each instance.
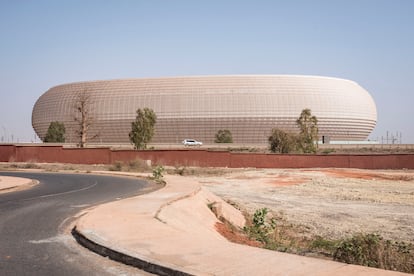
(202, 158)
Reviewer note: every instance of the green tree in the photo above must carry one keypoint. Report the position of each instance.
(143, 128)
(224, 136)
(55, 133)
(308, 136)
(281, 141)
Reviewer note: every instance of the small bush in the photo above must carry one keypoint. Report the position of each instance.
(323, 246)
(116, 166)
(261, 227)
(30, 166)
(180, 170)
(157, 174)
(372, 250)
(281, 141)
(360, 249)
(138, 165)
(224, 136)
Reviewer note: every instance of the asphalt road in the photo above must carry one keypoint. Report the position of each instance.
(34, 223)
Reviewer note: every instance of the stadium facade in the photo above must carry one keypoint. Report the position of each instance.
(196, 107)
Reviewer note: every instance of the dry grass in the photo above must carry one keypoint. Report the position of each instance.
(322, 212)
(137, 165)
(361, 249)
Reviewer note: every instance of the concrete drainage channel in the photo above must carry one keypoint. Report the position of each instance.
(123, 258)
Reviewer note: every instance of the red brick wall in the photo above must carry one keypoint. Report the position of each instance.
(55, 154)
(7, 153)
(288, 161)
(204, 158)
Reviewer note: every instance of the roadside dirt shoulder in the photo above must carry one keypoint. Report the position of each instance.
(332, 203)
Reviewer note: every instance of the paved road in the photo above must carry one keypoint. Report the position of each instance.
(34, 237)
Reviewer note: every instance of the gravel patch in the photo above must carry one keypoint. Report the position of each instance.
(332, 203)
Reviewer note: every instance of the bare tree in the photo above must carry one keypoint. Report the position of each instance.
(83, 117)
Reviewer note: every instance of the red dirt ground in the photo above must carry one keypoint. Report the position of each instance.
(369, 176)
(287, 181)
(235, 236)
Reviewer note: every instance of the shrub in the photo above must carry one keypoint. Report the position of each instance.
(323, 245)
(157, 174)
(116, 166)
(180, 170)
(138, 165)
(281, 141)
(224, 136)
(261, 228)
(372, 250)
(360, 249)
(31, 166)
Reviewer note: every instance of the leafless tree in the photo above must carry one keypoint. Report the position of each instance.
(83, 117)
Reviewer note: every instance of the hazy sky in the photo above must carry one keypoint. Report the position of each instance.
(46, 43)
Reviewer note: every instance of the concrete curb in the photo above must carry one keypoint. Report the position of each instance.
(124, 258)
(24, 184)
(8, 188)
(201, 251)
(148, 266)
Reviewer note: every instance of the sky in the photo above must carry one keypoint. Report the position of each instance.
(47, 43)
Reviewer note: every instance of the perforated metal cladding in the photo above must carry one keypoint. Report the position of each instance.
(197, 107)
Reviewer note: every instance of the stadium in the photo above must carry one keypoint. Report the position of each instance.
(196, 107)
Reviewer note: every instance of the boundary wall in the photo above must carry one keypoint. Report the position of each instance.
(202, 158)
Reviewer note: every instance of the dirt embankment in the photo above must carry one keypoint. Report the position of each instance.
(332, 203)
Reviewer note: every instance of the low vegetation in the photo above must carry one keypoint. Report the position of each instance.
(282, 142)
(306, 141)
(374, 251)
(198, 171)
(139, 165)
(29, 165)
(361, 249)
(136, 165)
(158, 174)
(261, 228)
(223, 136)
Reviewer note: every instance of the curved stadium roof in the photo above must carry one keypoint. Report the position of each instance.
(198, 106)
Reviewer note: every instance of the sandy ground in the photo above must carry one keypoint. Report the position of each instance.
(332, 203)
(12, 184)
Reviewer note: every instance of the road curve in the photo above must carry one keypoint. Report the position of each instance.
(33, 222)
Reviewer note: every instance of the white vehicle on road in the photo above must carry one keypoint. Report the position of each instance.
(192, 142)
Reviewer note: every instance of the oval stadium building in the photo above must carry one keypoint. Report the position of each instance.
(196, 107)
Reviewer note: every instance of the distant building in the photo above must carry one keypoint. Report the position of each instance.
(198, 106)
